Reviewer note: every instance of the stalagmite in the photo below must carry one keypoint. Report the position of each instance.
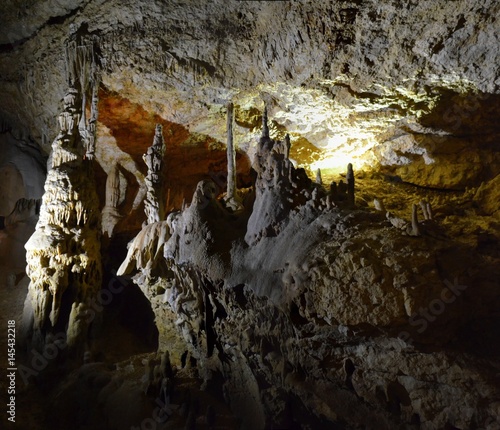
(232, 199)
(265, 127)
(63, 254)
(429, 211)
(287, 146)
(273, 186)
(350, 185)
(423, 205)
(110, 213)
(231, 158)
(379, 205)
(319, 181)
(415, 230)
(153, 205)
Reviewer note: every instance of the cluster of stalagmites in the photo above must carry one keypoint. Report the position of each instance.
(283, 294)
(280, 188)
(63, 255)
(414, 227)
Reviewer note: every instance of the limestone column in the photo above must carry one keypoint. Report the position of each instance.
(154, 207)
(231, 155)
(63, 255)
(350, 185)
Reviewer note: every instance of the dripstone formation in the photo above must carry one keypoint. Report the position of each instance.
(327, 259)
(63, 255)
(300, 308)
(153, 204)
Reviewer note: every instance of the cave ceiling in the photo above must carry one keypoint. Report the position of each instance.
(409, 86)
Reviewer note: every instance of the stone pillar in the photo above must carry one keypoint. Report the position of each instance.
(350, 185)
(231, 156)
(154, 206)
(63, 254)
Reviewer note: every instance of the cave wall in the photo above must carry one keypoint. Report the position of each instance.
(410, 86)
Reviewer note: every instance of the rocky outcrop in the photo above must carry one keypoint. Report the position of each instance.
(334, 312)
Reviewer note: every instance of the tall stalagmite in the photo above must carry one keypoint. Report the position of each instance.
(63, 255)
(153, 205)
(232, 199)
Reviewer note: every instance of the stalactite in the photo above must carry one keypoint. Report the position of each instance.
(113, 187)
(110, 213)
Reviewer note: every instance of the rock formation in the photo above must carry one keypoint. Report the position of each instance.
(63, 255)
(154, 206)
(273, 187)
(110, 212)
(350, 185)
(232, 199)
(295, 307)
(309, 279)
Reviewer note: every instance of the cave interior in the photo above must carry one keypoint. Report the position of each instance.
(250, 214)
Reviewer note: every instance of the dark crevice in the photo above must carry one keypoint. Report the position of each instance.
(397, 180)
(362, 95)
(442, 190)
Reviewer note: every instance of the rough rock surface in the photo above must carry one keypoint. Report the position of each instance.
(337, 318)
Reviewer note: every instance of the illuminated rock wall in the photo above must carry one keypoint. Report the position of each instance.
(412, 87)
